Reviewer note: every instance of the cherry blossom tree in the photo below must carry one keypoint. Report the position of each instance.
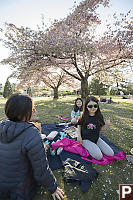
(86, 55)
(72, 45)
(51, 78)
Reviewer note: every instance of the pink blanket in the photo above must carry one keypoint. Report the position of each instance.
(75, 147)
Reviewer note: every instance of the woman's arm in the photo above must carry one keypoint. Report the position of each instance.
(73, 114)
(107, 124)
(74, 117)
(79, 138)
(34, 149)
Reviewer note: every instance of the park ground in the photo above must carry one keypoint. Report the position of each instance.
(120, 133)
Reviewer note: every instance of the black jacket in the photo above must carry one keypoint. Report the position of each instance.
(23, 162)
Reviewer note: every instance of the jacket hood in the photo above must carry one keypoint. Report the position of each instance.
(9, 130)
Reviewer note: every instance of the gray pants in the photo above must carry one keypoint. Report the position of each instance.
(96, 149)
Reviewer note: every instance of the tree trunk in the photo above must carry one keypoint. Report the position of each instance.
(84, 88)
(55, 93)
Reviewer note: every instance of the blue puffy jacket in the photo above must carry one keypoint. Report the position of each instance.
(23, 163)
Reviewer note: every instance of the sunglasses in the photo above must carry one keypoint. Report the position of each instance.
(91, 106)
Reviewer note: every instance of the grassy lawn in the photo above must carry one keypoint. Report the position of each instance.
(120, 133)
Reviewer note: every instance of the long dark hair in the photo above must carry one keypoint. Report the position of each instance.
(76, 108)
(19, 108)
(86, 115)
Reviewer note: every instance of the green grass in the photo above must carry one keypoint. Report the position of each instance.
(120, 133)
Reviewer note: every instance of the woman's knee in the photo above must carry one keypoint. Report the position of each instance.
(73, 121)
(110, 152)
(96, 153)
(98, 156)
(105, 148)
(93, 149)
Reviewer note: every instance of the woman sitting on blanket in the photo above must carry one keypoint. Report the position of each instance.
(76, 111)
(24, 166)
(90, 124)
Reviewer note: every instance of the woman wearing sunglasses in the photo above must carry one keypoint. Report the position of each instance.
(90, 124)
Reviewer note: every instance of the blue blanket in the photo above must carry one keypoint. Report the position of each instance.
(74, 168)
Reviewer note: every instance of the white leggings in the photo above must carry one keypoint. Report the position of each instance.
(96, 149)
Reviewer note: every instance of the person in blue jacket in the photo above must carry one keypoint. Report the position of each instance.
(76, 111)
(23, 162)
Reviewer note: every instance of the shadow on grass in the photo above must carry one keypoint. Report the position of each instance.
(120, 109)
(48, 111)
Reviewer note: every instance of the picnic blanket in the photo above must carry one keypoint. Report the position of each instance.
(75, 159)
(73, 146)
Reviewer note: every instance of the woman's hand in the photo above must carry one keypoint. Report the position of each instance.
(108, 122)
(59, 194)
(77, 118)
(131, 151)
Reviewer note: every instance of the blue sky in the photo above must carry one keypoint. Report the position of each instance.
(28, 13)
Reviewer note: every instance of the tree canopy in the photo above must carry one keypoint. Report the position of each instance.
(71, 45)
